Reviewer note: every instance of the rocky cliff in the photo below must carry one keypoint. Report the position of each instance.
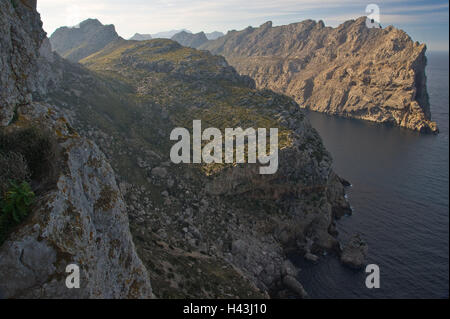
(204, 231)
(78, 42)
(189, 39)
(371, 74)
(141, 37)
(78, 216)
(214, 35)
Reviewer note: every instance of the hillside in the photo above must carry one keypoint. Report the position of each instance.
(203, 230)
(352, 71)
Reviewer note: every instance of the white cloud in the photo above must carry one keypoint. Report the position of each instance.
(151, 16)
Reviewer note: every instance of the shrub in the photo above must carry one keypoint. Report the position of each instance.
(13, 166)
(14, 207)
(27, 155)
(36, 145)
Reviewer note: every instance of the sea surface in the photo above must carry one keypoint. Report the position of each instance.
(400, 197)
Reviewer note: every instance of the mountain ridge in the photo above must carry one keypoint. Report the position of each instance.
(352, 71)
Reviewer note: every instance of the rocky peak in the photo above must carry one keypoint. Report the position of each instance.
(266, 25)
(90, 23)
(76, 43)
(190, 40)
(373, 74)
(214, 35)
(21, 38)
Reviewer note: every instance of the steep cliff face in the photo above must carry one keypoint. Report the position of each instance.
(21, 29)
(204, 231)
(353, 71)
(190, 40)
(78, 42)
(80, 217)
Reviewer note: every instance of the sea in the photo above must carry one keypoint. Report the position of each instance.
(400, 201)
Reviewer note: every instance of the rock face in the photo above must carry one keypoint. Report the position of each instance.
(17, 70)
(190, 40)
(168, 34)
(203, 231)
(355, 252)
(81, 219)
(371, 74)
(214, 35)
(141, 37)
(76, 43)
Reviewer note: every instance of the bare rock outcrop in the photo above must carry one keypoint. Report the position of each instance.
(81, 217)
(78, 42)
(189, 39)
(81, 221)
(355, 252)
(352, 71)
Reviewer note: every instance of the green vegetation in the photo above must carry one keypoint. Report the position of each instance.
(36, 145)
(15, 206)
(26, 155)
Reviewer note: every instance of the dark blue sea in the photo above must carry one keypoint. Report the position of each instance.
(400, 197)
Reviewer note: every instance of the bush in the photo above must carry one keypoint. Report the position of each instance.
(14, 207)
(36, 145)
(27, 155)
(13, 166)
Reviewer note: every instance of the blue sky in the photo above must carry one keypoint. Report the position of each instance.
(425, 21)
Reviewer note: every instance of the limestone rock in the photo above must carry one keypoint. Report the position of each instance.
(78, 42)
(355, 252)
(189, 39)
(17, 70)
(352, 71)
(81, 221)
(81, 218)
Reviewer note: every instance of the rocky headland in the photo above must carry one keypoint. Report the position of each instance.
(373, 74)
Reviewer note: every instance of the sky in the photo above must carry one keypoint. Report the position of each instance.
(425, 21)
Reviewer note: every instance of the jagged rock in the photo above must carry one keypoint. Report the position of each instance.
(355, 252)
(81, 218)
(81, 221)
(78, 42)
(289, 269)
(214, 35)
(353, 71)
(190, 40)
(293, 284)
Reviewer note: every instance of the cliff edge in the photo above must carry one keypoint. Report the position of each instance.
(78, 215)
(353, 71)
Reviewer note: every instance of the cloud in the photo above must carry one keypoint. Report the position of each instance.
(151, 16)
